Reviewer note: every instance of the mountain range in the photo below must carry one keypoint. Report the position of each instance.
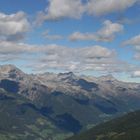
(64, 103)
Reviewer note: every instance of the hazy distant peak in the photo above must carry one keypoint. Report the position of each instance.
(108, 77)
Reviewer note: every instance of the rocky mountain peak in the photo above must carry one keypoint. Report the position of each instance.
(10, 71)
(7, 68)
(68, 75)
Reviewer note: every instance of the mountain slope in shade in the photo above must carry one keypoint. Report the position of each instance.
(123, 128)
(22, 120)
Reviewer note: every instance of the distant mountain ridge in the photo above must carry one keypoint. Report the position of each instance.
(72, 103)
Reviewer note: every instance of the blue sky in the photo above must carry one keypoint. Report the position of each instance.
(93, 37)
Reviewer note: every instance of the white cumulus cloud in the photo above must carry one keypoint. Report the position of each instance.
(106, 33)
(58, 9)
(13, 26)
(135, 43)
(103, 7)
(136, 74)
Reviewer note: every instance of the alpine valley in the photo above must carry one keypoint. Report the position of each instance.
(53, 106)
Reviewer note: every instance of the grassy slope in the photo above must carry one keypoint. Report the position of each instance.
(124, 128)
